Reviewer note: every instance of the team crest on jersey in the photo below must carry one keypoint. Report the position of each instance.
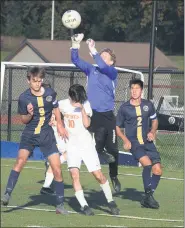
(49, 98)
(171, 120)
(145, 108)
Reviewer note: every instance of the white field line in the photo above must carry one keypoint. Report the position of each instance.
(111, 226)
(122, 174)
(107, 215)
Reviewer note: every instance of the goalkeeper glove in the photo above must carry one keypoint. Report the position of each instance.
(91, 45)
(76, 39)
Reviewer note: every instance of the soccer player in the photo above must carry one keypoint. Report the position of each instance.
(46, 188)
(35, 107)
(135, 116)
(101, 83)
(80, 146)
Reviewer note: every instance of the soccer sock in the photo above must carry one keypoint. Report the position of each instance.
(12, 180)
(146, 176)
(48, 180)
(81, 198)
(155, 181)
(107, 191)
(59, 189)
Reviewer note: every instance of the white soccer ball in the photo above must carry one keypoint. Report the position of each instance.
(71, 19)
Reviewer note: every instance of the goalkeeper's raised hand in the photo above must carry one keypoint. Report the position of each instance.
(76, 39)
(91, 45)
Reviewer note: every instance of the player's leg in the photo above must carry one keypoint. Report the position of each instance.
(22, 157)
(74, 163)
(100, 135)
(50, 150)
(75, 175)
(112, 148)
(54, 160)
(92, 162)
(140, 154)
(104, 184)
(46, 188)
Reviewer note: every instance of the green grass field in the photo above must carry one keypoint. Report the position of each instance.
(26, 194)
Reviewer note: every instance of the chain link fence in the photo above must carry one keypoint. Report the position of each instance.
(168, 98)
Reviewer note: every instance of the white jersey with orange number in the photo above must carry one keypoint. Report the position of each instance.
(73, 118)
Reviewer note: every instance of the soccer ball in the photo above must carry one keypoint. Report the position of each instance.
(71, 19)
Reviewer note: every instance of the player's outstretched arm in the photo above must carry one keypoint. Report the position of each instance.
(110, 71)
(76, 60)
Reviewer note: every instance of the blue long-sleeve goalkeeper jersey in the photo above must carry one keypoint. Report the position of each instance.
(101, 82)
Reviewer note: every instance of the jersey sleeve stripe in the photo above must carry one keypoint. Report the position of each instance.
(153, 116)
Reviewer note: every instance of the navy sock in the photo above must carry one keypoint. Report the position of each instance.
(59, 188)
(12, 180)
(155, 181)
(147, 176)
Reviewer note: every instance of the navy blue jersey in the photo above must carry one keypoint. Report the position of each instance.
(135, 120)
(42, 108)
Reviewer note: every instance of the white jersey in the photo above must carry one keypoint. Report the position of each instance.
(73, 118)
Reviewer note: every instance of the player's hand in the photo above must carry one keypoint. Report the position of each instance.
(91, 45)
(76, 39)
(30, 109)
(52, 121)
(77, 105)
(127, 145)
(151, 136)
(62, 132)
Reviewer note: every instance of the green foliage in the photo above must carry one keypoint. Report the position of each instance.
(128, 21)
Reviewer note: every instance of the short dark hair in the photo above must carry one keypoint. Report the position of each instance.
(111, 53)
(136, 81)
(77, 93)
(36, 72)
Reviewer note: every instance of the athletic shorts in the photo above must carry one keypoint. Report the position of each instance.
(45, 141)
(61, 144)
(149, 149)
(86, 152)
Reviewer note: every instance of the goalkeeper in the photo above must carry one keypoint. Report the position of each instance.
(101, 85)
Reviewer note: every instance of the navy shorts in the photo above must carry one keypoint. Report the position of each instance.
(148, 149)
(45, 141)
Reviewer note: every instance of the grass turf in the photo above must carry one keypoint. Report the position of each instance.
(26, 193)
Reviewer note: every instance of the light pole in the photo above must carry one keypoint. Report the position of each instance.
(152, 50)
(52, 20)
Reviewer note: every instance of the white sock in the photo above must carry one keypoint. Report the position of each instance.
(80, 197)
(48, 180)
(107, 191)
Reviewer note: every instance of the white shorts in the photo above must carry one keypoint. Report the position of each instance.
(86, 152)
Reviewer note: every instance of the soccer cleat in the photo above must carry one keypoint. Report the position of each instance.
(47, 191)
(116, 184)
(5, 199)
(109, 158)
(61, 210)
(113, 207)
(87, 210)
(148, 201)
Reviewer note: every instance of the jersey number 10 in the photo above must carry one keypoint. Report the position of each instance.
(71, 123)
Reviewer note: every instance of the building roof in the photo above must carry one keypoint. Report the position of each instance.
(128, 54)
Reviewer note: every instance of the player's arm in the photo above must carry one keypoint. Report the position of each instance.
(76, 60)
(120, 119)
(153, 116)
(110, 71)
(25, 110)
(60, 126)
